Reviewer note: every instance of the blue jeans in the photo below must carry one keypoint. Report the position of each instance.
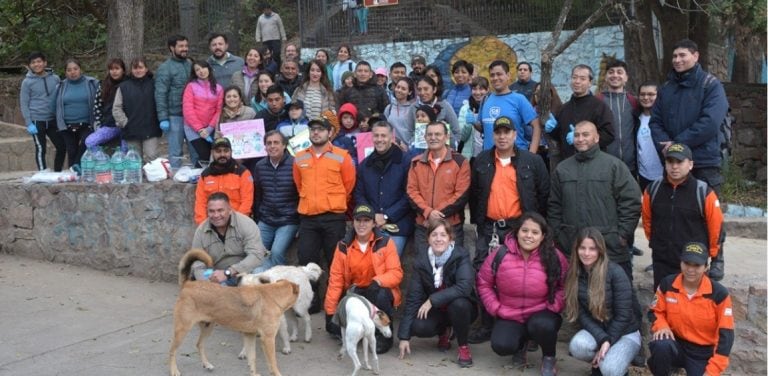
(616, 362)
(400, 242)
(176, 143)
(277, 239)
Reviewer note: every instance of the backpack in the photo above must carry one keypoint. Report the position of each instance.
(497, 258)
(701, 192)
(725, 131)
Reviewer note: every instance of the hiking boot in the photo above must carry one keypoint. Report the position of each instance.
(520, 358)
(444, 340)
(548, 366)
(479, 335)
(717, 267)
(465, 357)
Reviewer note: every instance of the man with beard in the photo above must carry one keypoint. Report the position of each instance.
(418, 63)
(381, 181)
(224, 174)
(224, 64)
(365, 93)
(325, 177)
(170, 80)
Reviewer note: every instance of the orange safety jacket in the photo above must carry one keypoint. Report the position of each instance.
(386, 266)
(238, 185)
(325, 183)
(706, 319)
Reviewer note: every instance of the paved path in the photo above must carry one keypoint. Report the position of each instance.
(58, 319)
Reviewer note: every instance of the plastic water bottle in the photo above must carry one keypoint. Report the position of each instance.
(87, 167)
(132, 163)
(118, 167)
(103, 168)
(207, 274)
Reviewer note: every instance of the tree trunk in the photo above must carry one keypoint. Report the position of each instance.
(673, 24)
(640, 49)
(188, 16)
(750, 52)
(699, 33)
(125, 29)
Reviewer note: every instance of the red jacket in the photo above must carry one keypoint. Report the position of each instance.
(519, 288)
(386, 265)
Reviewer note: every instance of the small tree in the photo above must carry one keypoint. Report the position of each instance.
(553, 49)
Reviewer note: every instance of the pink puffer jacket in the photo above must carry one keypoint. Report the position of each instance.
(200, 106)
(519, 288)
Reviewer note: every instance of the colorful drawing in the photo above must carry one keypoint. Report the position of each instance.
(247, 138)
(299, 142)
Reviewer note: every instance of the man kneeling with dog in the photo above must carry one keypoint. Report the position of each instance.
(366, 259)
(231, 239)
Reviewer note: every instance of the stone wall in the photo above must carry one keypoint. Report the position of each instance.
(9, 99)
(136, 229)
(748, 105)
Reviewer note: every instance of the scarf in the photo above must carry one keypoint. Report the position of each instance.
(231, 114)
(438, 262)
(380, 161)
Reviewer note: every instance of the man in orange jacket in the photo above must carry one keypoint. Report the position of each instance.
(224, 174)
(678, 209)
(368, 260)
(691, 319)
(438, 185)
(325, 178)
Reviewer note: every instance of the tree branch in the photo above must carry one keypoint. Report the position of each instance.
(559, 25)
(583, 27)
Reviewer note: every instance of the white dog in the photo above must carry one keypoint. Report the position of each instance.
(302, 276)
(359, 319)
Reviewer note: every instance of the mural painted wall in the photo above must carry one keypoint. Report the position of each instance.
(589, 49)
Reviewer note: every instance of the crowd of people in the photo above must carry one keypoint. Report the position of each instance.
(555, 198)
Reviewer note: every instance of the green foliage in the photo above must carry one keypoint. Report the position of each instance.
(60, 29)
(749, 13)
(738, 190)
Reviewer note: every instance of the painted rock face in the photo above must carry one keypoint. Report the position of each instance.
(481, 51)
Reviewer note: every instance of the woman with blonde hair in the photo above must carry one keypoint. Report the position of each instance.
(598, 294)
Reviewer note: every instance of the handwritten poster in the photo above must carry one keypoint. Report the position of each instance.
(299, 142)
(364, 145)
(419, 142)
(247, 138)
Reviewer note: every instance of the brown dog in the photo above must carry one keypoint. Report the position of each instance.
(251, 310)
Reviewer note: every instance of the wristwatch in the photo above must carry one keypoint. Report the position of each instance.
(227, 273)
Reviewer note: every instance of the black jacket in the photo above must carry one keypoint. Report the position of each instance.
(458, 282)
(368, 97)
(276, 195)
(138, 96)
(532, 183)
(587, 107)
(271, 120)
(618, 302)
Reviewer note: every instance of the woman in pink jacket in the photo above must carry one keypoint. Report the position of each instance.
(522, 285)
(201, 107)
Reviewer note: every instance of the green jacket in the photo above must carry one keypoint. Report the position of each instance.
(170, 80)
(594, 189)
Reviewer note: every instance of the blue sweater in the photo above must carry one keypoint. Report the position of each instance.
(385, 191)
(74, 100)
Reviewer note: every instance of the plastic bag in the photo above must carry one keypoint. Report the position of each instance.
(157, 170)
(187, 174)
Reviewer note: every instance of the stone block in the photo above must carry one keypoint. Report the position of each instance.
(756, 308)
(21, 216)
(749, 137)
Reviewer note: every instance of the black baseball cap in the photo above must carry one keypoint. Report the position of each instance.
(695, 253)
(503, 122)
(322, 122)
(222, 142)
(680, 152)
(363, 211)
